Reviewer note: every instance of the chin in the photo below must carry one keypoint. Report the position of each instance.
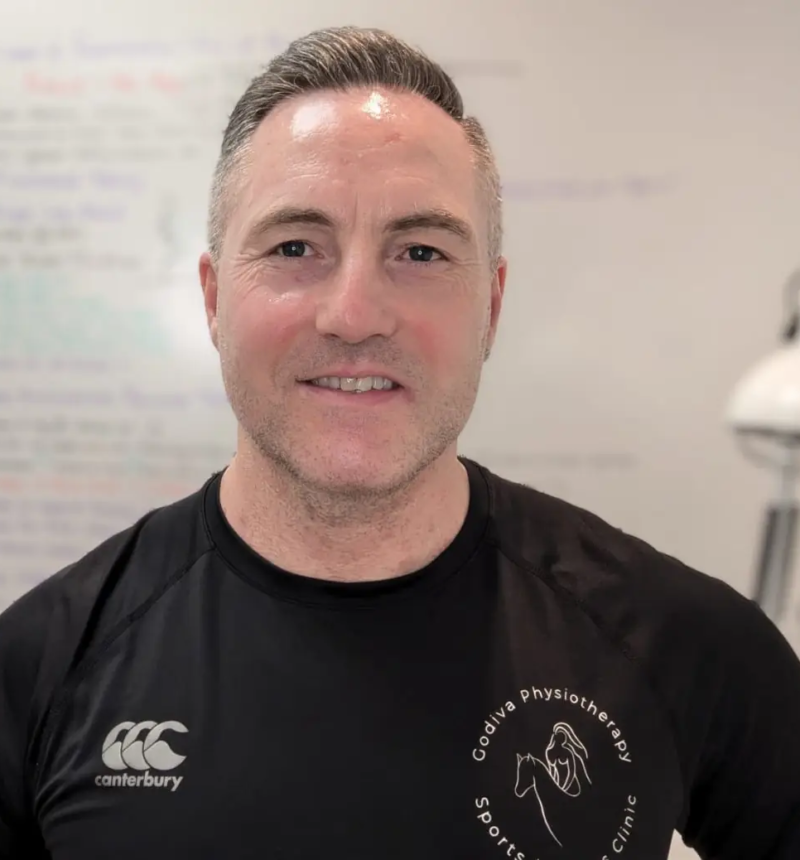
(355, 472)
(351, 464)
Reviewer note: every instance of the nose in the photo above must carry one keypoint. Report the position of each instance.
(356, 303)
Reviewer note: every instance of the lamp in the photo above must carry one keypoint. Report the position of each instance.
(764, 413)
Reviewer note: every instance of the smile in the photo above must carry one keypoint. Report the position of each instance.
(354, 384)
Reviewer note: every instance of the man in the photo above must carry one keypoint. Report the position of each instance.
(351, 643)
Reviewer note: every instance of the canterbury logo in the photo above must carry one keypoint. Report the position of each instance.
(140, 747)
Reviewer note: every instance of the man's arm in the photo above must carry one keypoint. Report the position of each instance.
(23, 635)
(744, 802)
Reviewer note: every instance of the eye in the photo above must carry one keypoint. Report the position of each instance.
(293, 248)
(423, 254)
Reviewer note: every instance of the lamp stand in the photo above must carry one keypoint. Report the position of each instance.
(777, 547)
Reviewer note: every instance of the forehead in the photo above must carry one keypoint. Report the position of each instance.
(373, 145)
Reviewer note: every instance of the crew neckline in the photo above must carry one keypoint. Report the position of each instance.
(268, 577)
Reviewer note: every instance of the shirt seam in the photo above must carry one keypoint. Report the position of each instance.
(95, 656)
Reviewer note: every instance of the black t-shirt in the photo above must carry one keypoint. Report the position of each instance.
(548, 687)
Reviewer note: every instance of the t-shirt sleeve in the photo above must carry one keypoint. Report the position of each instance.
(23, 636)
(744, 799)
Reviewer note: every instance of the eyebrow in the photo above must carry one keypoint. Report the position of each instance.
(431, 219)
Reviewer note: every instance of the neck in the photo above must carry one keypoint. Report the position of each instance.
(356, 539)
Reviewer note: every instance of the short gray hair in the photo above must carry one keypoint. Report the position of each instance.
(343, 58)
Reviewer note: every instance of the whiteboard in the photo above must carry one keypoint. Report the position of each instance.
(652, 198)
(648, 153)
(649, 161)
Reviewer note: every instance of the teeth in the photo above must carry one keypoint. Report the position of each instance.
(356, 384)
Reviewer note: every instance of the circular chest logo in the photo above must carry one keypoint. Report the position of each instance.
(555, 777)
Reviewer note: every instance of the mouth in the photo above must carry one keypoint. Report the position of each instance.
(364, 389)
(353, 384)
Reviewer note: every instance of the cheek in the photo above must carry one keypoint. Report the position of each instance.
(261, 324)
(451, 344)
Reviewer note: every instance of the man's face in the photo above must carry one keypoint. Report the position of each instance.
(355, 247)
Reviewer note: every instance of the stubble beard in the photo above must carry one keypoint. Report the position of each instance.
(299, 471)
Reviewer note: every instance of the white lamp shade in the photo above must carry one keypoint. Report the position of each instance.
(767, 399)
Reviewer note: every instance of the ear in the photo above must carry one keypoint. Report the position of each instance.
(496, 303)
(209, 282)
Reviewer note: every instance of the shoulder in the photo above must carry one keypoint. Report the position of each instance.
(613, 575)
(723, 672)
(48, 631)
